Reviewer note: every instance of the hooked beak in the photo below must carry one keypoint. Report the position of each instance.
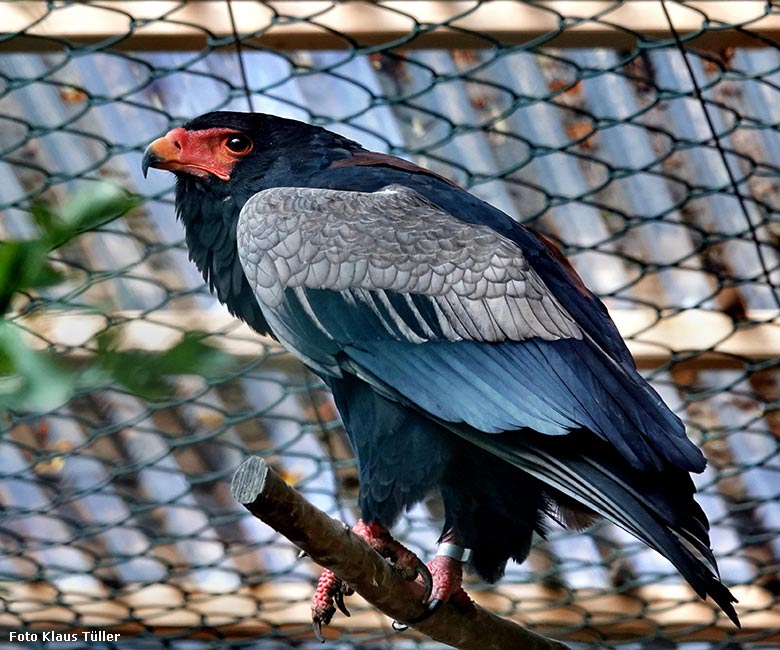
(161, 154)
(179, 151)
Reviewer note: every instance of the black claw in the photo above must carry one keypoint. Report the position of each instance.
(338, 597)
(317, 626)
(434, 606)
(427, 579)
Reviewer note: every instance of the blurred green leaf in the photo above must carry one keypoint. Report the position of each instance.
(37, 381)
(29, 380)
(23, 263)
(24, 266)
(44, 218)
(144, 373)
(91, 209)
(192, 356)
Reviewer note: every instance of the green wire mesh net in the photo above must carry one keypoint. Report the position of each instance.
(651, 154)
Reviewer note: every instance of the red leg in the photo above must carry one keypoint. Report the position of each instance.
(447, 574)
(405, 562)
(329, 594)
(331, 590)
(447, 577)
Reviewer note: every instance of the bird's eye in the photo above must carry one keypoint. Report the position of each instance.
(238, 144)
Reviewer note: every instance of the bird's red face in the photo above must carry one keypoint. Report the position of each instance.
(201, 153)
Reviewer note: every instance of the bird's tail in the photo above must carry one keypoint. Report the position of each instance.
(657, 508)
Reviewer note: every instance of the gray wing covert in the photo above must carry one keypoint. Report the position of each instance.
(424, 274)
(443, 315)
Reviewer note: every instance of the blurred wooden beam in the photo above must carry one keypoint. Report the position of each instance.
(695, 337)
(669, 611)
(314, 24)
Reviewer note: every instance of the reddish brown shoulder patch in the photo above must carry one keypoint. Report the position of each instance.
(576, 280)
(374, 159)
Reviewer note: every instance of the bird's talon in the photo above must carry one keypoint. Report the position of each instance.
(338, 598)
(434, 606)
(327, 597)
(302, 554)
(427, 579)
(317, 627)
(400, 627)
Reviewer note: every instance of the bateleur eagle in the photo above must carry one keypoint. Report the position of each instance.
(465, 355)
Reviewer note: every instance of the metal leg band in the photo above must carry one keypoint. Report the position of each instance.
(455, 552)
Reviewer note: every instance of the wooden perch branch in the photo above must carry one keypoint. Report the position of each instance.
(263, 492)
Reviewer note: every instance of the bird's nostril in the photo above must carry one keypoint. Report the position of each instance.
(176, 138)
